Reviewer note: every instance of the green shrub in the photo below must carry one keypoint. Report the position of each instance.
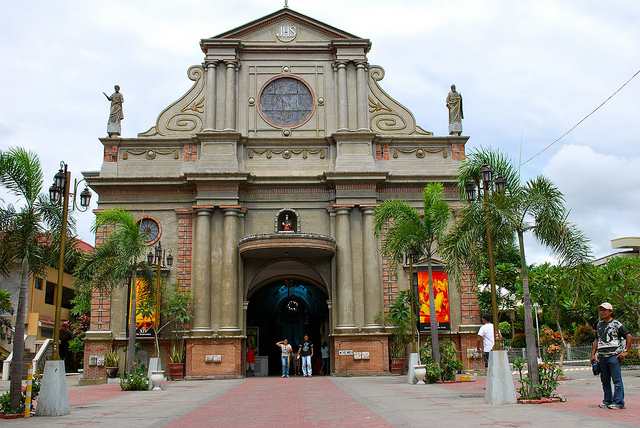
(5, 399)
(137, 381)
(505, 328)
(449, 362)
(584, 335)
(519, 341)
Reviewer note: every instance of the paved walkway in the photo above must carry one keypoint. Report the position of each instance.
(383, 401)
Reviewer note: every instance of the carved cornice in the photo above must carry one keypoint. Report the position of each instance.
(419, 151)
(149, 154)
(286, 153)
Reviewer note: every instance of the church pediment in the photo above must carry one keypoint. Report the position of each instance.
(285, 26)
(284, 75)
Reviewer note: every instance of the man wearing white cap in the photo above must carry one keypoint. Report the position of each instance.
(608, 346)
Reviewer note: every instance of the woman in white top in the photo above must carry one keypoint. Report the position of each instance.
(286, 352)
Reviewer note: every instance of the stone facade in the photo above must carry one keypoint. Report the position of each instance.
(263, 179)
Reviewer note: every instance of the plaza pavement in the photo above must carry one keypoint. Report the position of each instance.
(382, 401)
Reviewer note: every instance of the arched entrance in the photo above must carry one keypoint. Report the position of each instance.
(288, 282)
(287, 309)
(289, 301)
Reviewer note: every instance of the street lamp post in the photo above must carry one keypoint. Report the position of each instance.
(499, 387)
(53, 399)
(158, 256)
(59, 193)
(412, 255)
(488, 187)
(414, 358)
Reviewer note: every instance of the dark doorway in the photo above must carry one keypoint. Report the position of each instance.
(287, 309)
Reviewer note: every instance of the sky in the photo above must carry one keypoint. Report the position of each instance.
(528, 71)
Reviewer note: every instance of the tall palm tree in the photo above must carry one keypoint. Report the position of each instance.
(536, 207)
(115, 260)
(25, 233)
(408, 230)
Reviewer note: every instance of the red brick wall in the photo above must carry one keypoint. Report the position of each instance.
(230, 349)
(377, 346)
(185, 245)
(458, 152)
(469, 301)
(95, 348)
(100, 317)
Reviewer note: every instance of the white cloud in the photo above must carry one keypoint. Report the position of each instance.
(527, 70)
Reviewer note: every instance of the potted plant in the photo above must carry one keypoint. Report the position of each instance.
(399, 317)
(174, 310)
(111, 364)
(176, 366)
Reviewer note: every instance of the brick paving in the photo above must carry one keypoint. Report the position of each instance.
(278, 402)
(381, 401)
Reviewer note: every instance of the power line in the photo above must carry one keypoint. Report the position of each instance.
(582, 120)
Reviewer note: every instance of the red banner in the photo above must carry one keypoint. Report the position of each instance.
(441, 288)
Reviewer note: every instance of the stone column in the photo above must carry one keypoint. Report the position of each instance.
(361, 95)
(343, 105)
(201, 273)
(344, 272)
(210, 96)
(372, 271)
(229, 290)
(230, 98)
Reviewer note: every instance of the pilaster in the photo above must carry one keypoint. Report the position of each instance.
(201, 274)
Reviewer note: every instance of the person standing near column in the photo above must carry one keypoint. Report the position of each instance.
(325, 358)
(487, 337)
(286, 352)
(251, 361)
(608, 347)
(306, 351)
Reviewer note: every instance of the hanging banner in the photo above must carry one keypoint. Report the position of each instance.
(441, 288)
(145, 314)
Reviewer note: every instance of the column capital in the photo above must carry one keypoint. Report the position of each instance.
(210, 64)
(232, 64)
(202, 210)
(367, 209)
(232, 209)
(340, 65)
(342, 209)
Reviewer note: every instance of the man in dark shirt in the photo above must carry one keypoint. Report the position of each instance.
(306, 351)
(608, 346)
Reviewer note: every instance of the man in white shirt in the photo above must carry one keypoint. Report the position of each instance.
(487, 337)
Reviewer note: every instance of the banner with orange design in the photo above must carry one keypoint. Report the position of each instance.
(441, 288)
(145, 316)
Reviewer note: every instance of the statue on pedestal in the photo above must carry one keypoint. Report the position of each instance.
(454, 104)
(115, 113)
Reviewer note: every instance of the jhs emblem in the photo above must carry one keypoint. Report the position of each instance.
(286, 33)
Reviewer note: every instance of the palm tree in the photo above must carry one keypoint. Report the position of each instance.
(536, 207)
(25, 233)
(115, 260)
(409, 231)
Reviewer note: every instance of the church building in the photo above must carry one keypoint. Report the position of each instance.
(261, 182)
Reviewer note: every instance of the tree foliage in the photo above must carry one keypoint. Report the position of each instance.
(28, 233)
(115, 260)
(409, 231)
(535, 207)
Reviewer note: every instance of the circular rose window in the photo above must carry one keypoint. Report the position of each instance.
(286, 102)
